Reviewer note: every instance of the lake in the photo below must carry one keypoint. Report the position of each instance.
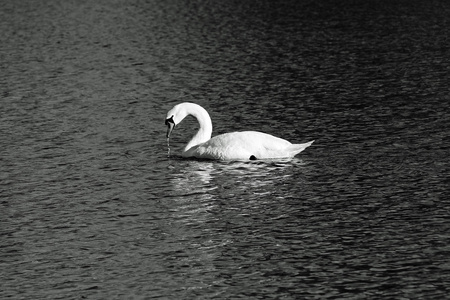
(92, 206)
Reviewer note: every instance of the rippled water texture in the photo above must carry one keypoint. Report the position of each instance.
(92, 207)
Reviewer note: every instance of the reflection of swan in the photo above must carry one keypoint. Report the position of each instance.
(243, 145)
(192, 189)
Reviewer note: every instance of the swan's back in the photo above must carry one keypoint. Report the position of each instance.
(245, 145)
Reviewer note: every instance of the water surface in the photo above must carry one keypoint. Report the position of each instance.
(93, 208)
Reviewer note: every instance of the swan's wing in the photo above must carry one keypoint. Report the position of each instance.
(262, 145)
(241, 145)
(244, 145)
(225, 146)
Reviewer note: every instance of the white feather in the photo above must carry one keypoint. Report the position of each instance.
(242, 145)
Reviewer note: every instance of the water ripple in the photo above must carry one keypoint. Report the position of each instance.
(92, 206)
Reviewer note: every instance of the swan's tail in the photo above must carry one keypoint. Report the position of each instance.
(295, 149)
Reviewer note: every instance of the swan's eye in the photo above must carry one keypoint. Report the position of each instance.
(170, 120)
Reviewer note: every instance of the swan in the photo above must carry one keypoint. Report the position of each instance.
(242, 145)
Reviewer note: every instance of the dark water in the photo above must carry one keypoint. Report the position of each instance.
(91, 207)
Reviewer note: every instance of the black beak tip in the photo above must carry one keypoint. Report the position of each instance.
(170, 126)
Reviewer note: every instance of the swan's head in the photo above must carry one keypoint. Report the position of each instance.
(174, 117)
(182, 110)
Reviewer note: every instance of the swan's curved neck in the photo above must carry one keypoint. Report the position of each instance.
(205, 131)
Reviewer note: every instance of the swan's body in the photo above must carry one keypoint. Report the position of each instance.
(243, 145)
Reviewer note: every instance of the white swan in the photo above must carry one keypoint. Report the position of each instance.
(242, 145)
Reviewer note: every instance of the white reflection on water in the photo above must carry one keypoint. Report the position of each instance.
(212, 207)
(199, 186)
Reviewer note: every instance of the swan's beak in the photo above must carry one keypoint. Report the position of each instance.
(170, 127)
